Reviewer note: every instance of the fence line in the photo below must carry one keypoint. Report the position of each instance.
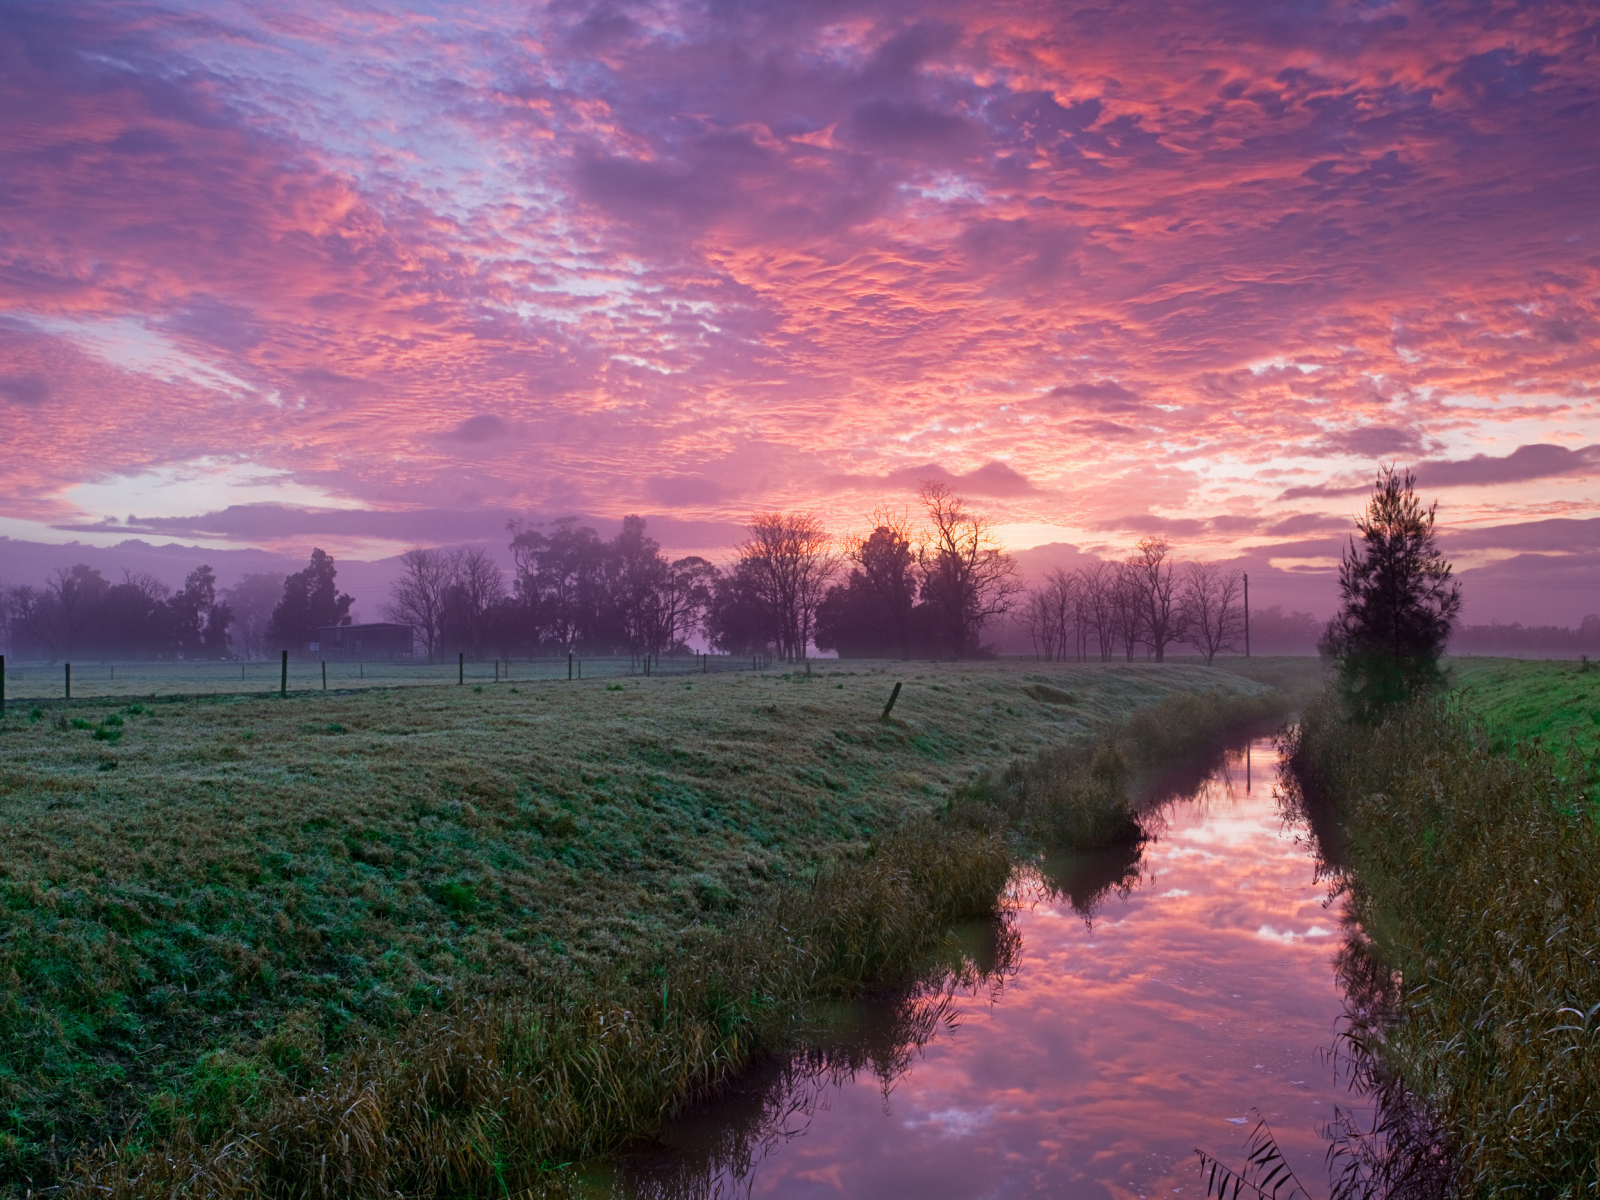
(36, 681)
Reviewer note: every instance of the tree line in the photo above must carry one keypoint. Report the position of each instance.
(1147, 603)
(933, 586)
(790, 586)
(79, 613)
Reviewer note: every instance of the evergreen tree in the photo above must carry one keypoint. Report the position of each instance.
(1399, 602)
(310, 602)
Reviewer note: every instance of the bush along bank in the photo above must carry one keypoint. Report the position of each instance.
(497, 1094)
(1472, 954)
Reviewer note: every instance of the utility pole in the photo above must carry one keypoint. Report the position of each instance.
(1247, 614)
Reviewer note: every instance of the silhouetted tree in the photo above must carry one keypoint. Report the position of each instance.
(578, 592)
(790, 560)
(1128, 607)
(1213, 618)
(310, 602)
(1053, 615)
(474, 584)
(676, 606)
(1155, 583)
(886, 564)
(417, 596)
(199, 622)
(740, 621)
(1398, 600)
(1099, 598)
(968, 579)
(561, 582)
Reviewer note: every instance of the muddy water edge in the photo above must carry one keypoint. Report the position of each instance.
(1129, 1006)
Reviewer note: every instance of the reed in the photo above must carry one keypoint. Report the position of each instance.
(1473, 949)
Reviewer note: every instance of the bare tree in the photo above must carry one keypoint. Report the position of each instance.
(1052, 614)
(1099, 599)
(1038, 618)
(417, 597)
(476, 584)
(888, 559)
(1213, 619)
(252, 600)
(1153, 574)
(1128, 609)
(967, 576)
(790, 558)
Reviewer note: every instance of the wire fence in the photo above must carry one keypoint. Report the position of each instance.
(87, 680)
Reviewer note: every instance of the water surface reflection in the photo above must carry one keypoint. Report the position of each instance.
(1153, 1003)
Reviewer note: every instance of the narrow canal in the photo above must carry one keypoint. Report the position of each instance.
(1148, 1008)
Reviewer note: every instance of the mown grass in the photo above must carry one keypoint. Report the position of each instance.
(1473, 951)
(365, 942)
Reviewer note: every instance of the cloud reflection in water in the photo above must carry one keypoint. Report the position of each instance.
(1153, 1006)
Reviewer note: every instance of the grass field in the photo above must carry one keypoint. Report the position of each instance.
(1556, 702)
(206, 899)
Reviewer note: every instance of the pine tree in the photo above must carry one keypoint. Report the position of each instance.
(1399, 602)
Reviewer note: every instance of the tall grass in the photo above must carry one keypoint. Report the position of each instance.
(1473, 955)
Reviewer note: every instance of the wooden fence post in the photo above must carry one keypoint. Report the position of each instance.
(69, 679)
(2, 685)
(461, 667)
(283, 678)
(889, 707)
(569, 667)
(324, 674)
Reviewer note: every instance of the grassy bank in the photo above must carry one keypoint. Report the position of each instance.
(438, 940)
(1474, 960)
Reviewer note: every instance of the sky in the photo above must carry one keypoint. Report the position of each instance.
(376, 275)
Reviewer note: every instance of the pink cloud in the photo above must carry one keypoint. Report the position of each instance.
(576, 260)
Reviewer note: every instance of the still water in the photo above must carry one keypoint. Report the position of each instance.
(1133, 1024)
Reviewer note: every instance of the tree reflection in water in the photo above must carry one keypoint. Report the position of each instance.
(1395, 1151)
(714, 1147)
(1124, 1040)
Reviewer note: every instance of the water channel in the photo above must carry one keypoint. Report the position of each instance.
(1147, 1007)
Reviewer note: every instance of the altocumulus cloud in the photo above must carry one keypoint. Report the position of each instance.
(583, 254)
